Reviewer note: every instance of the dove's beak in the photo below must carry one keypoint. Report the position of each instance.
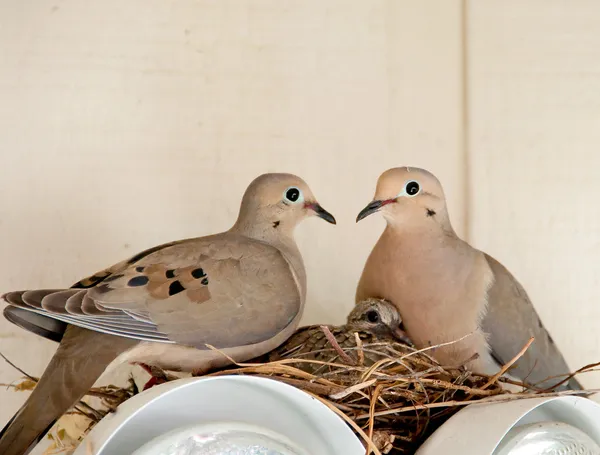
(320, 212)
(373, 207)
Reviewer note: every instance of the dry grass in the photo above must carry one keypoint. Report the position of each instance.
(393, 405)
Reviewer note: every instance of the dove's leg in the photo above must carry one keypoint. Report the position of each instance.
(80, 359)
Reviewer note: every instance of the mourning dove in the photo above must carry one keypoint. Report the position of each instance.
(374, 320)
(241, 291)
(446, 290)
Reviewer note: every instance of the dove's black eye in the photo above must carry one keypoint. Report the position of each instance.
(293, 195)
(412, 188)
(373, 316)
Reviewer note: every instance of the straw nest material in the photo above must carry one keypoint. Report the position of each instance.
(392, 405)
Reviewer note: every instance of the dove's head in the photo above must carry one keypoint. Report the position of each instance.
(409, 196)
(377, 316)
(278, 202)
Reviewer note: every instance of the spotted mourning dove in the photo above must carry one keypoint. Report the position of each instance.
(241, 291)
(374, 320)
(445, 289)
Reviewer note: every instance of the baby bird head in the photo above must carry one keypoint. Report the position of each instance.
(379, 317)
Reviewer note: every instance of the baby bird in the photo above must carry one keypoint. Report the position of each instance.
(374, 320)
(379, 318)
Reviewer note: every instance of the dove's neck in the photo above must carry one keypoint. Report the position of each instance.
(280, 236)
(433, 226)
(274, 233)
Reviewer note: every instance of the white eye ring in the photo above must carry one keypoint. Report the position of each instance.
(411, 189)
(293, 195)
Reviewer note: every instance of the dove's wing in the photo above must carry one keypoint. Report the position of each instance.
(510, 321)
(224, 290)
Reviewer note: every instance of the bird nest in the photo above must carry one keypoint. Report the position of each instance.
(392, 405)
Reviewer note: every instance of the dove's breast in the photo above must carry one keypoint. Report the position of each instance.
(441, 294)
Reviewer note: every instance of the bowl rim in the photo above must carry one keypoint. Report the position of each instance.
(340, 437)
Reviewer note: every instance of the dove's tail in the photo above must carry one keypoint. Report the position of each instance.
(574, 384)
(80, 359)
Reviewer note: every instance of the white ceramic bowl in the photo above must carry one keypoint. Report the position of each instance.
(547, 438)
(279, 409)
(488, 429)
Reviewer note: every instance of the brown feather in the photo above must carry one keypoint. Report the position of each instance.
(34, 298)
(74, 303)
(55, 302)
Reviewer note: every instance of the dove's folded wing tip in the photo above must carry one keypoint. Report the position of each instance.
(9, 296)
(44, 326)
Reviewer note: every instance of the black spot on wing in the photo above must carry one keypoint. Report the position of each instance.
(170, 273)
(139, 269)
(276, 224)
(198, 273)
(138, 281)
(430, 212)
(175, 288)
(205, 282)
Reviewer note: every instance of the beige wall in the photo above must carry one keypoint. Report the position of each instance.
(126, 124)
(533, 138)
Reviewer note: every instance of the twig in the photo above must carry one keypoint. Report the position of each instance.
(505, 368)
(589, 367)
(336, 346)
(17, 368)
(354, 388)
(494, 399)
(211, 347)
(429, 348)
(448, 385)
(93, 411)
(374, 398)
(350, 422)
(359, 347)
